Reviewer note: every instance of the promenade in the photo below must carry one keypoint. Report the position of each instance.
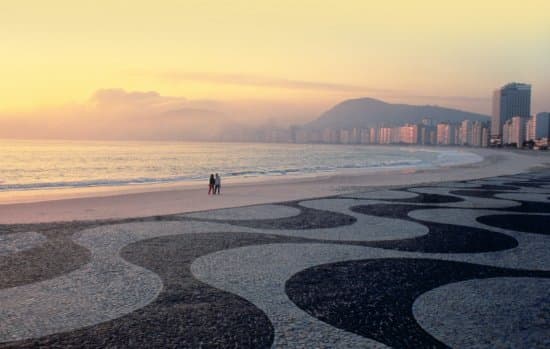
(451, 264)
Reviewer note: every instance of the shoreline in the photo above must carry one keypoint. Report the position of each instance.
(29, 194)
(150, 200)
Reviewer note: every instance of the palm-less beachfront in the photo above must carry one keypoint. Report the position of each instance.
(447, 257)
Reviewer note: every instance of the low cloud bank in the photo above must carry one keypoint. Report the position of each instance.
(126, 115)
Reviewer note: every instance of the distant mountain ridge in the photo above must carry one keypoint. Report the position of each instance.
(370, 112)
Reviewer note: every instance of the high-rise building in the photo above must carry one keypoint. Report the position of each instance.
(428, 122)
(408, 134)
(384, 135)
(355, 136)
(395, 135)
(432, 135)
(365, 136)
(374, 135)
(543, 125)
(344, 136)
(477, 133)
(507, 132)
(485, 136)
(446, 133)
(466, 133)
(511, 100)
(538, 126)
(530, 129)
(427, 134)
(517, 133)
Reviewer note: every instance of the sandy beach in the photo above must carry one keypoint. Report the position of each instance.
(150, 200)
(456, 264)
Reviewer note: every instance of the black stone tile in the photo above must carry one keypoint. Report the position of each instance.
(529, 184)
(374, 298)
(498, 187)
(308, 218)
(526, 206)
(442, 238)
(53, 258)
(423, 198)
(525, 223)
(187, 313)
(529, 207)
(485, 194)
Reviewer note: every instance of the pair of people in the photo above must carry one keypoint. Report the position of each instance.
(214, 184)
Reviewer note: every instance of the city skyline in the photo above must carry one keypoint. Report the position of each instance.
(108, 69)
(511, 124)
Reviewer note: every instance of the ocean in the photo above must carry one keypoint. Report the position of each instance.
(31, 165)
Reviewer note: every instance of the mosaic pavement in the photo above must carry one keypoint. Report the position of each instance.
(458, 264)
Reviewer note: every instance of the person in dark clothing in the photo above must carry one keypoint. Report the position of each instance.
(212, 182)
(217, 184)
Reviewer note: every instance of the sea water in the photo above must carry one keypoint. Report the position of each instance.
(28, 165)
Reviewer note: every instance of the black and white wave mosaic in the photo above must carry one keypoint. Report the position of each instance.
(450, 265)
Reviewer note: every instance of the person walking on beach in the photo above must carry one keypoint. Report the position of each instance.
(211, 184)
(217, 184)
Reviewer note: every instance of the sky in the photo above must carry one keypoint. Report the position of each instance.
(159, 69)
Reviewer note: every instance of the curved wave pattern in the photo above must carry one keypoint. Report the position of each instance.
(106, 288)
(357, 270)
(479, 307)
(442, 237)
(17, 242)
(46, 260)
(307, 218)
(374, 298)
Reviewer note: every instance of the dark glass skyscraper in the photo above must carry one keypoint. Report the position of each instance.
(511, 100)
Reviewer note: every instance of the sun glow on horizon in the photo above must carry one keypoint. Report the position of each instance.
(286, 60)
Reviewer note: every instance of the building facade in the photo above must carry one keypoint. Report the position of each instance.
(518, 130)
(466, 133)
(511, 100)
(446, 134)
(541, 127)
(384, 135)
(408, 134)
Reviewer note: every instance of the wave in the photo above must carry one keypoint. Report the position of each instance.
(444, 158)
(95, 183)
(194, 178)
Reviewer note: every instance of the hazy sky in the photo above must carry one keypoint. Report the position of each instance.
(75, 62)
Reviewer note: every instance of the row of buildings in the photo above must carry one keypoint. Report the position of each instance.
(512, 123)
(520, 131)
(467, 133)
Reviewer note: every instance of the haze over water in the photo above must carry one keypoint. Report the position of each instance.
(28, 165)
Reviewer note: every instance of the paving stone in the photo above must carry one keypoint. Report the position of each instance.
(453, 264)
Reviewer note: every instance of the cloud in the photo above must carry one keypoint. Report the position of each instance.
(119, 114)
(115, 113)
(117, 95)
(357, 90)
(265, 81)
(117, 98)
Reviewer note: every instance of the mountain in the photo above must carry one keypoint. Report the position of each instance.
(370, 112)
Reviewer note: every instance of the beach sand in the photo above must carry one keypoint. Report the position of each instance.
(151, 200)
